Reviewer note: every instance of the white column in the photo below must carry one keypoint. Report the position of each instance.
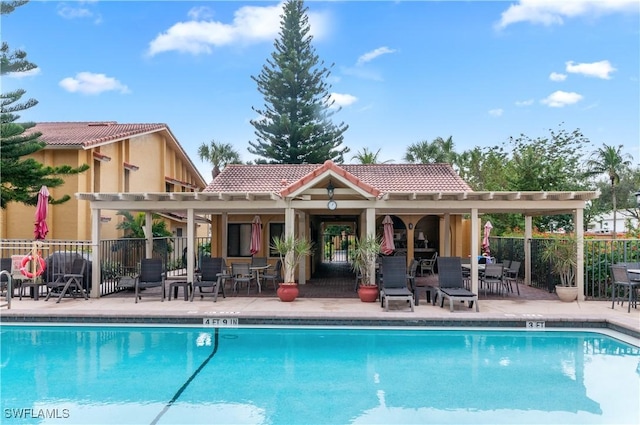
(190, 244)
(302, 233)
(528, 235)
(371, 231)
(224, 222)
(475, 241)
(148, 234)
(96, 255)
(447, 239)
(578, 219)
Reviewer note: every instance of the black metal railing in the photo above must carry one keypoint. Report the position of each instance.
(599, 255)
(121, 257)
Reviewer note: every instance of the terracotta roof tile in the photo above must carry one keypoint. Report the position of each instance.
(87, 134)
(273, 178)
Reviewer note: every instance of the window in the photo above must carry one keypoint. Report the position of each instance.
(239, 239)
(275, 229)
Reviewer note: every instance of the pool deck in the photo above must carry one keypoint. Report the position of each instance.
(327, 311)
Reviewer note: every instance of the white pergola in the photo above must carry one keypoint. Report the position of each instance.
(311, 198)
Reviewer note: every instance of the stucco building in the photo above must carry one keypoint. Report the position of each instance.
(123, 158)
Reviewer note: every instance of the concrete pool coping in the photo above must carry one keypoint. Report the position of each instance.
(513, 313)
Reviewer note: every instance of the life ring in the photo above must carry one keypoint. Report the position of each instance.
(26, 260)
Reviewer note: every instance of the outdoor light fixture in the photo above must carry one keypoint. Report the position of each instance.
(330, 190)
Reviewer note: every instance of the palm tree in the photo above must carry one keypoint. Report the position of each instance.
(367, 157)
(438, 151)
(610, 161)
(219, 155)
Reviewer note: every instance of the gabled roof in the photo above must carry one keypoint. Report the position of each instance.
(89, 134)
(377, 178)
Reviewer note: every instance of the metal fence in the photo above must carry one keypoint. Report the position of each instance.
(599, 255)
(121, 257)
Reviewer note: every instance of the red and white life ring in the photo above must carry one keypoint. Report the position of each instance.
(26, 260)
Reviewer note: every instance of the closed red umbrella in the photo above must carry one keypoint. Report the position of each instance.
(42, 208)
(256, 235)
(387, 236)
(485, 239)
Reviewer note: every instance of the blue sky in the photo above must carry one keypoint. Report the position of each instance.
(404, 71)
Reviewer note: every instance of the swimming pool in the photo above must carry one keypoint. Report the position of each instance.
(56, 374)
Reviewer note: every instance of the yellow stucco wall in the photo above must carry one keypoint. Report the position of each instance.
(72, 220)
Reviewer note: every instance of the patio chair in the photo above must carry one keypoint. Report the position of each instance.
(213, 274)
(71, 283)
(259, 262)
(151, 275)
(241, 273)
(276, 276)
(511, 275)
(622, 281)
(394, 282)
(428, 265)
(451, 285)
(493, 277)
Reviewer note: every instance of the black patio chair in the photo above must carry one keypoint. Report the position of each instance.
(451, 283)
(151, 275)
(394, 282)
(213, 274)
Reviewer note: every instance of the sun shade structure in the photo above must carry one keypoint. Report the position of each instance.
(297, 194)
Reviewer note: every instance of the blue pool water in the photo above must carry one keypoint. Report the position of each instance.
(128, 375)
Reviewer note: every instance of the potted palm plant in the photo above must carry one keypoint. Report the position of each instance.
(561, 253)
(363, 261)
(291, 251)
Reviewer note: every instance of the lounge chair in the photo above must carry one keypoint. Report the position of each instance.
(213, 273)
(151, 275)
(451, 284)
(394, 282)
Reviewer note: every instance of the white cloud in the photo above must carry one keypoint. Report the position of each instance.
(554, 12)
(527, 102)
(600, 69)
(342, 99)
(251, 24)
(91, 83)
(78, 10)
(560, 99)
(496, 112)
(556, 76)
(369, 56)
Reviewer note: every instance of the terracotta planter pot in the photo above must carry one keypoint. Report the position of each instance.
(368, 293)
(567, 294)
(287, 292)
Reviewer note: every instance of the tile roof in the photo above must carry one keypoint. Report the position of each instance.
(275, 178)
(88, 134)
